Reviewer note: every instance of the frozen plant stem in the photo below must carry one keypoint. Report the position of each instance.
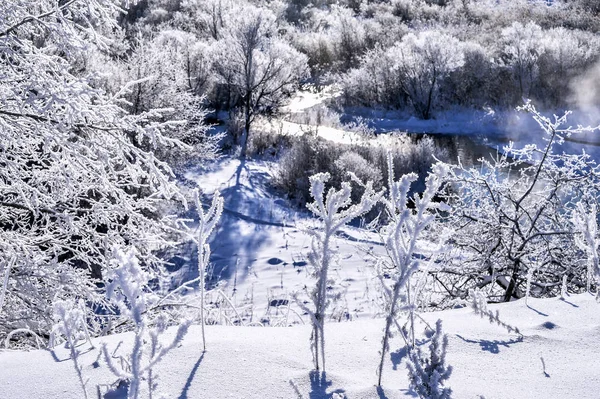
(207, 221)
(334, 211)
(70, 321)
(401, 237)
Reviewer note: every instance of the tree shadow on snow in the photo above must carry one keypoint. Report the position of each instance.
(568, 302)
(57, 359)
(409, 392)
(238, 237)
(240, 234)
(492, 346)
(381, 393)
(397, 356)
(537, 311)
(319, 385)
(188, 383)
(119, 391)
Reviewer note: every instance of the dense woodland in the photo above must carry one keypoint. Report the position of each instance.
(104, 103)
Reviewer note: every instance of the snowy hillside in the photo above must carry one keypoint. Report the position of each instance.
(556, 358)
(305, 199)
(260, 248)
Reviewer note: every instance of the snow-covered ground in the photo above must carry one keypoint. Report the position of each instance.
(260, 248)
(556, 358)
(259, 258)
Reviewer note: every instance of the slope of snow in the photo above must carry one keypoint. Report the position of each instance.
(260, 247)
(256, 362)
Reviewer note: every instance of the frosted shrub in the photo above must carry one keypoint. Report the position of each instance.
(428, 374)
(522, 49)
(422, 61)
(348, 36)
(79, 180)
(566, 54)
(401, 238)
(70, 324)
(586, 223)
(128, 292)
(359, 167)
(334, 210)
(514, 214)
(311, 154)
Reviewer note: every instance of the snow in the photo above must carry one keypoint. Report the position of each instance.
(310, 98)
(260, 247)
(336, 135)
(275, 362)
(256, 362)
(494, 128)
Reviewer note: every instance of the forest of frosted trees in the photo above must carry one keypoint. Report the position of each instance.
(105, 104)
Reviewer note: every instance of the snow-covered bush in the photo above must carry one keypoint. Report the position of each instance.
(586, 226)
(514, 214)
(411, 72)
(402, 237)
(166, 79)
(334, 210)
(73, 180)
(566, 55)
(352, 162)
(428, 375)
(521, 52)
(348, 36)
(375, 83)
(422, 61)
(128, 292)
(310, 154)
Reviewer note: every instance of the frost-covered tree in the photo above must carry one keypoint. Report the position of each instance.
(169, 76)
(259, 67)
(347, 34)
(73, 181)
(566, 54)
(402, 237)
(521, 52)
(334, 210)
(422, 61)
(513, 215)
(376, 82)
(129, 293)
